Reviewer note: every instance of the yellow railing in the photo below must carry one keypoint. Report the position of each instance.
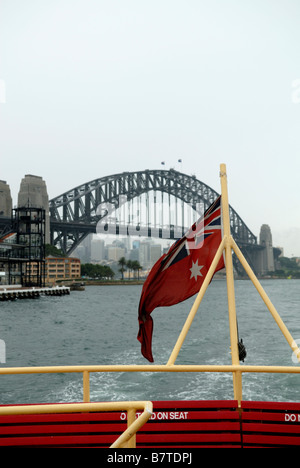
(86, 370)
(126, 439)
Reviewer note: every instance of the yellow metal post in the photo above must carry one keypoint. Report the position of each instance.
(86, 386)
(237, 376)
(227, 245)
(131, 415)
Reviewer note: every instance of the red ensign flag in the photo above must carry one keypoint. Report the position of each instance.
(180, 273)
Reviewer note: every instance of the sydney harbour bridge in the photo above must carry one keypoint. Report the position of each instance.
(151, 203)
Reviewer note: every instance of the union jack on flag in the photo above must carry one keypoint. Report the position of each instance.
(179, 274)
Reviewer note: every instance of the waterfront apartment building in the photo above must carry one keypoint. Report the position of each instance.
(59, 269)
(62, 268)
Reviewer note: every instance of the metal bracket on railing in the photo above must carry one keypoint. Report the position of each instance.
(134, 426)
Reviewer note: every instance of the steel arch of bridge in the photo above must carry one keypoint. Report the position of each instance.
(74, 214)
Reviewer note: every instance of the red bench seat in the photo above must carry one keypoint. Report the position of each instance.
(173, 424)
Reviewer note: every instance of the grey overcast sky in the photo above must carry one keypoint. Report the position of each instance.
(90, 88)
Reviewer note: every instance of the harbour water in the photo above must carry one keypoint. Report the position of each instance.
(99, 326)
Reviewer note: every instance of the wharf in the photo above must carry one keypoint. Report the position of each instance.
(9, 294)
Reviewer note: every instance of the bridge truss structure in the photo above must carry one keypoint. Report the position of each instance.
(151, 203)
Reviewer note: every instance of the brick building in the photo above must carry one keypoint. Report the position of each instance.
(62, 268)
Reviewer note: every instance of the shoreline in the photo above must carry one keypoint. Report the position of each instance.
(141, 282)
(113, 282)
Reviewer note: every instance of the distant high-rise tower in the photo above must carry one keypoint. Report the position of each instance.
(5, 199)
(33, 194)
(266, 242)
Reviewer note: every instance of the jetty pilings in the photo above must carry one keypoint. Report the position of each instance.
(8, 294)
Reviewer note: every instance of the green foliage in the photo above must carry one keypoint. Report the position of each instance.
(289, 268)
(131, 265)
(122, 263)
(52, 250)
(96, 271)
(288, 263)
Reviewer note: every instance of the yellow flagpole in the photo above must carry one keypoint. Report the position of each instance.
(224, 245)
(237, 376)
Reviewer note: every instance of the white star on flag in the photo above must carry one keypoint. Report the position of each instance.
(195, 270)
